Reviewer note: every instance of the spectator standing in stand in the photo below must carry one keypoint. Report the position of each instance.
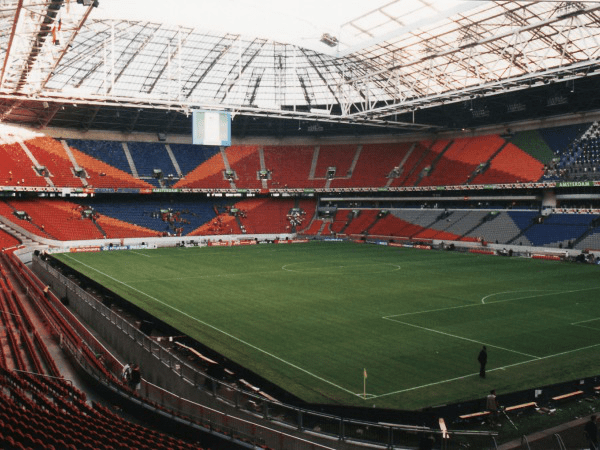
(126, 373)
(136, 377)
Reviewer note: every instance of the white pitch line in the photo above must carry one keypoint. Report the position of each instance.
(460, 337)
(435, 383)
(470, 305)
(549, 292)
(217, 329)
(217, 275)
(320, 269)
(141, 254)
(586, 321)
(589, 328)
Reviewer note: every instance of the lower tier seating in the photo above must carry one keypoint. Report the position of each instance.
(33, 414)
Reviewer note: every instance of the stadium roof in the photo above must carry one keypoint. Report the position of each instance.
(375, 65)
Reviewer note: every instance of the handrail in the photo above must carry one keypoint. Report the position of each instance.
(559, 440)
(44, 375)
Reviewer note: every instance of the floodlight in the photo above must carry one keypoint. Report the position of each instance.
(329, 40)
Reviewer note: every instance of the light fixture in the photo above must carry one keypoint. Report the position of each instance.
(329, 40)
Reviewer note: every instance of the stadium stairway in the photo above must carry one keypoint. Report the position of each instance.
(424, 159)
(486, 165)
(525, 221)
(437, 160)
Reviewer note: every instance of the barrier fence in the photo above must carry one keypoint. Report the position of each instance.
(323, 426)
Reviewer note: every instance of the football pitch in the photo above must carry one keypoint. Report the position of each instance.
(313, 317)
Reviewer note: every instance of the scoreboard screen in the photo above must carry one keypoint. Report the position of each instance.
(211, 128)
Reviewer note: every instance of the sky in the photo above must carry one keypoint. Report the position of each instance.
(287, 21)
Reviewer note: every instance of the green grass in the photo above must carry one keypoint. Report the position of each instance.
(311, 317)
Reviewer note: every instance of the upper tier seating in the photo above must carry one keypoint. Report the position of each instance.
(531, 142)
(208, 175)
(420, 163)
(17, 169)
(339, 157)
(189, 156)
(511, 165)
(109, 152)
(421, 158)
(580, 160)
(374, 164)
(245, 162)
(148, 157)
(51, 154)
(289, 166)
(559, 138)
(461, 160)
(102, 175)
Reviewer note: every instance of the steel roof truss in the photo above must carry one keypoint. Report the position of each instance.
(220, 52)
(176, 53)
(10, 41)
(233, 77)
(135, 54)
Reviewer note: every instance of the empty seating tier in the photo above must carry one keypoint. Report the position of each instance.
(245, 163)
(208, 175)
(289, 166)
(7, 240)
(511, 165)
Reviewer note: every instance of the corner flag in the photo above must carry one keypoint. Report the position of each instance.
(364, 383)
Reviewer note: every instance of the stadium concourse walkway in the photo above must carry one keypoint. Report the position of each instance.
(571, 434)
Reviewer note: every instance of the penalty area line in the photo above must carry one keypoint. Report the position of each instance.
(449, 380)
(471, 305)
(431, 330)
(218, 329)
(585, 321)
(579, 324)
(548, 292)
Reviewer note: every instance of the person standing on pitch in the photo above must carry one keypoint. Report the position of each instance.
(482, 358)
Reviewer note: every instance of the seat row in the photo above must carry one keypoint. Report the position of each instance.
(44, 161)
